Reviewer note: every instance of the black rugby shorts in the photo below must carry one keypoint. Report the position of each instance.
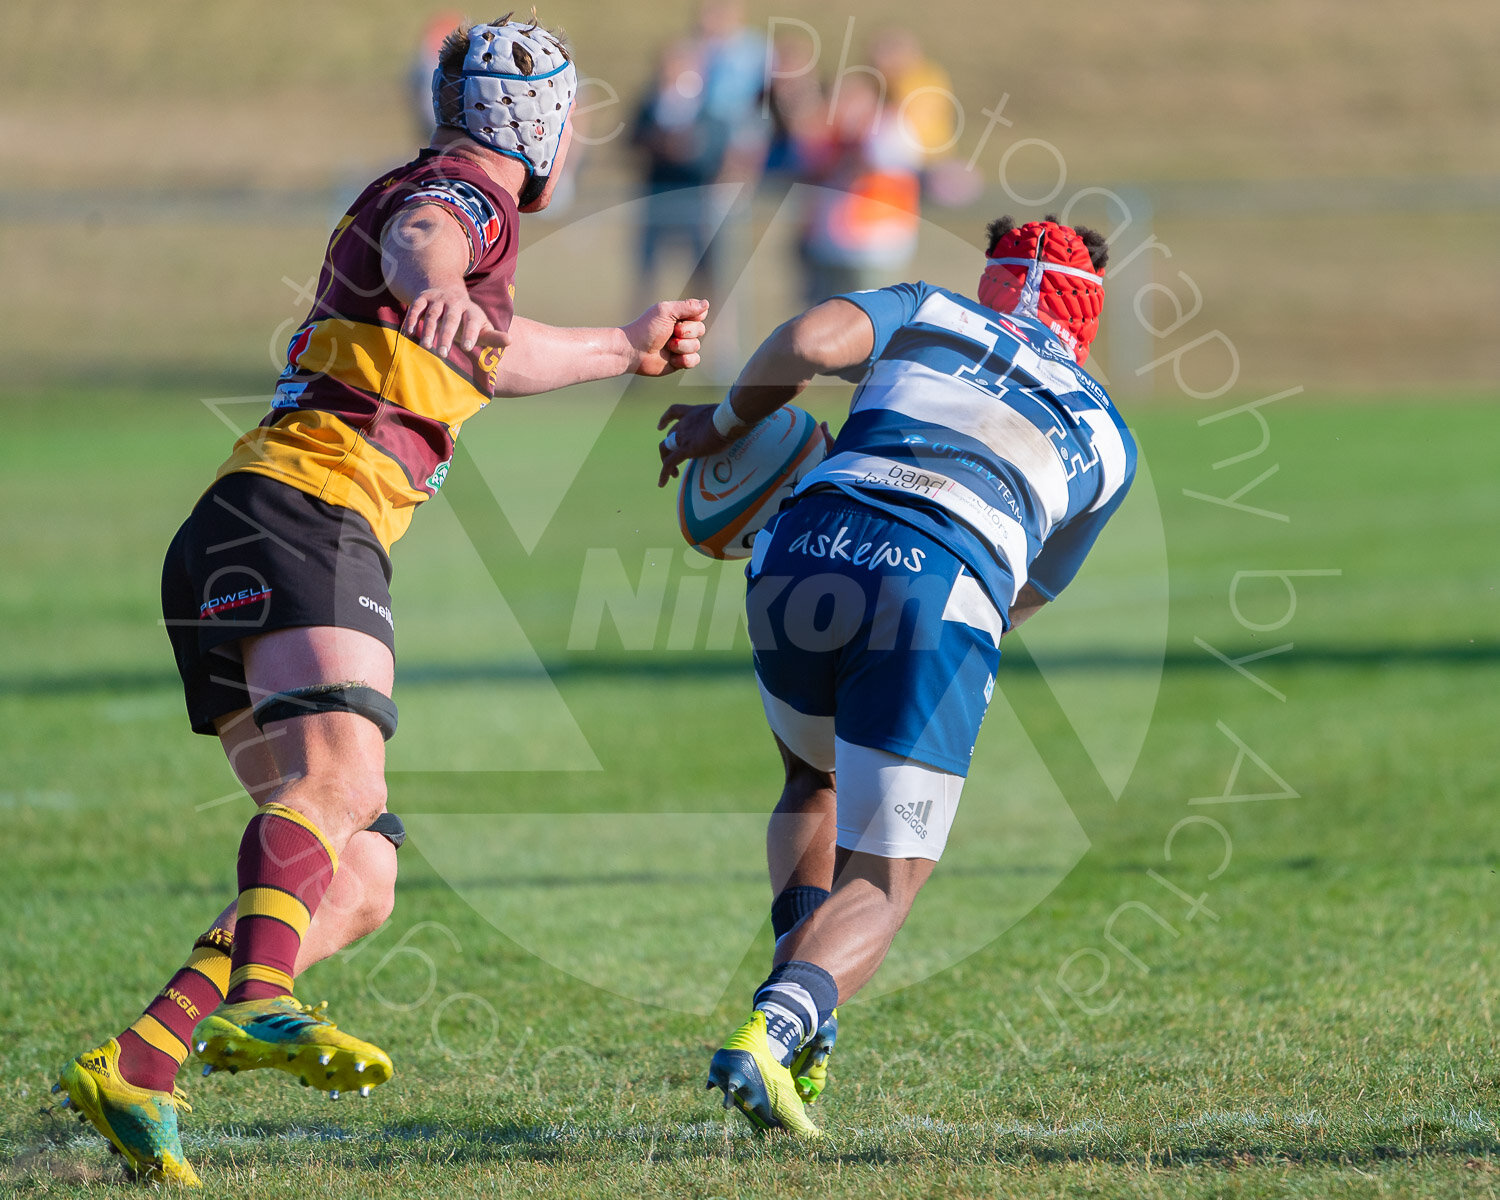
(258, 555)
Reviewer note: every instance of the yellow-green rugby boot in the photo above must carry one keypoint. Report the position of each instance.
(757, 1084)
(809, 1066)
(139, 1123)
(284, 1033)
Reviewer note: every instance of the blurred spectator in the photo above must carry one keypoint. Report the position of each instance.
(734, 64)
(795, 103)
(918, 91)
(682, 151)
(424, 62)
(921, 95)
(862, 226)
(699, 125)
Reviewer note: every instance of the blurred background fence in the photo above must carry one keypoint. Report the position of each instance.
(1318, 186)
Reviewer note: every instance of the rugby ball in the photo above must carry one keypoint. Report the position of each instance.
(726, 499)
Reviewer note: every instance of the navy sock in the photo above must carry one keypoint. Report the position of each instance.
(792, 905)
(796, 998)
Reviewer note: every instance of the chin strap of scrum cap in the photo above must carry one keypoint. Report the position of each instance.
(355, 698)
(389, 826)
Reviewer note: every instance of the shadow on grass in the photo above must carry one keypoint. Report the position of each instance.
(272, 1143)
(711, 1139)
(622, 879)
(720, 665)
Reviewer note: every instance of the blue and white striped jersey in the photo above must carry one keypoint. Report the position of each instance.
(979, 429)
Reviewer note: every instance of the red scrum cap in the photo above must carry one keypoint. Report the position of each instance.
(1045, 268)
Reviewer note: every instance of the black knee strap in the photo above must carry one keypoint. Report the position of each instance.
(356, 698)
(389, 826)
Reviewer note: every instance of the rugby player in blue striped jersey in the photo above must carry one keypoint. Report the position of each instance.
(977, 466)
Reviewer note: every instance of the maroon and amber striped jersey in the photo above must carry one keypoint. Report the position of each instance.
(363, 416)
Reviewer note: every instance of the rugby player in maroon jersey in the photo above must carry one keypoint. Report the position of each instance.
(276, 589)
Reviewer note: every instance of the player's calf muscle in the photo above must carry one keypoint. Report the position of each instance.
(358, 902)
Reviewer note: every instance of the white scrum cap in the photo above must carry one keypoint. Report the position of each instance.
(521, 116)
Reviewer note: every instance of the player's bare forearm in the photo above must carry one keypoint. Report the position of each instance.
(828, 338)
(542, 358)
(775, 375)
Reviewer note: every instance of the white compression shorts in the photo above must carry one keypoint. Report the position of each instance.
(888, 805)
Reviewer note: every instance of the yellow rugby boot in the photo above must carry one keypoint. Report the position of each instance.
(140, 1124)
(809, 1066)
(754, 1081)
(284, 1033)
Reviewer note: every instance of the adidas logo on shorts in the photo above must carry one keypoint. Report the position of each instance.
(916, 816)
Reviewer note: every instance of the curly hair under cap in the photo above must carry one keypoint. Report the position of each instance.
(1098, 248)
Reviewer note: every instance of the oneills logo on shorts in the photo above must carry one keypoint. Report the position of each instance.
(378, 609)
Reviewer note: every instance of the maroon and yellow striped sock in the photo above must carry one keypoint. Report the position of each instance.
(285, 866)
(154, 1047)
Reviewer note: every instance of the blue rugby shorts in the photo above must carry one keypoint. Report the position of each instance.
(874, 632)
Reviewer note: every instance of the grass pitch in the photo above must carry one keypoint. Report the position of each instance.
(1266, 968)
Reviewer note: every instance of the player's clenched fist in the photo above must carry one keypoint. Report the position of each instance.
(668, 336)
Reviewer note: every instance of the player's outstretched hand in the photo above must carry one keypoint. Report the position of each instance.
(441, 316)
(668, 336)
(693, 436)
